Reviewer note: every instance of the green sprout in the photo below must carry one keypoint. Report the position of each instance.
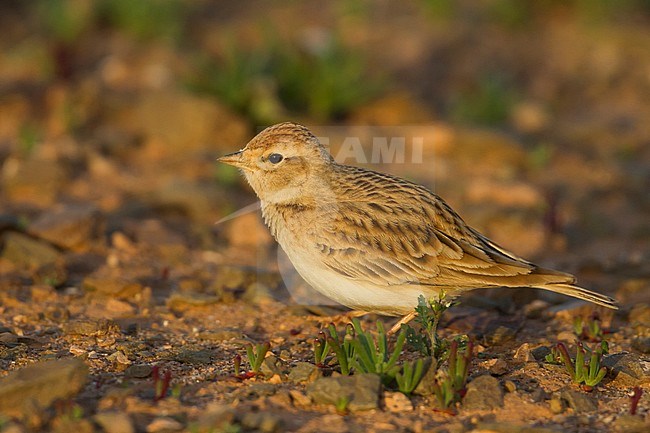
(341, 405)
(429, 314)
(373, 356)
(589, 329)
(256, 357)
(450, 387)
(344, 349)
(410, 376)
(587, 374)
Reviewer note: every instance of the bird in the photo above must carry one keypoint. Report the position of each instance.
(372, 241)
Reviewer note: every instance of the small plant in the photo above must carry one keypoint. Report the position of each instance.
(554, 357)
(587, 374)
(344, 349)
(341, 405)
(635, 397)
(429, 314)
(410, 376)
(449, 388)
(321, 349)
(256, 355)
(374, 357)
(589, 329)
(160, 383)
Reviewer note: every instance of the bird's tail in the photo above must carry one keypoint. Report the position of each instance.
(581, 293)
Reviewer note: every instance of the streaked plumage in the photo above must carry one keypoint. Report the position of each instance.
(372, 241)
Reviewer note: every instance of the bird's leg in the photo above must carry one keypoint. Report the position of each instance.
(404, 320)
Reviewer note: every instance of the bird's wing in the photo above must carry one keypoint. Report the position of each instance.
(420, 240)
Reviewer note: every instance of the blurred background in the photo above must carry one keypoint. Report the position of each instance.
(112, 113)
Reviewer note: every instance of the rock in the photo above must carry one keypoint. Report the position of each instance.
(27, 252)
(114, 422)
(631, 424)
(483, 393)
(271, 366)
(33, 181)
(91, 328)
(304, 372)
(197, 357)
(628, 369)
(41, 384)
(425, 387)
(116, 287)
(523, 353)
(216, 418)
(265, 422)
(539, 353)
(164, 424)
(496, 366)
(642, 344)
(578, 401)
(361, 391)
(299, 398)
(397, 402)
(556, 406)
(75, 226)
(510, 386)
(138, 371)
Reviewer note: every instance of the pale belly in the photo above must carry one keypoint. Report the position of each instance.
(358, 295)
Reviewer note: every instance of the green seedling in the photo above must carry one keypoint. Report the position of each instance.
(341, 405)
(410, 376)
(587, 374)
(256, 355)
(373, 356)
(450, 387)
(344, 349)
(554, 357)
(321, 349)
(429, 314)
(589, 329)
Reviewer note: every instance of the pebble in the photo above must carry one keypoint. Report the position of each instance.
(425, 387)
(578, 401)
(41, 384)
(75, 227)
(138, 371)
(164, 424)
(265, 422)
(397, 402)
(27, 252)
(628, 369)
(114, 422)
(304, 372)
(523, 353)
(483, 393)
(361, 391)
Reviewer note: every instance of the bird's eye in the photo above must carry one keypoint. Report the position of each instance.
(274, 158)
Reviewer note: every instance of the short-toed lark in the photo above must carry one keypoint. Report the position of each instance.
(371, 241)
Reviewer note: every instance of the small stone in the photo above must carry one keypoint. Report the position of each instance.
(483, 393)
(41, 384)
(196, 357)
(27, 252)
(425, 387)
(304, 372)
(262, 421)
(510, 386)
(642, 344)
(397, 402)
(631, 424)
(523, 353)
(91, 328)
(496, 366)
(361, 391)
(502, 334)
(183, 301)
(578, 401)
(74, 226)
(114, 422)
(556, 406)
(114, 287)
(628, 369)
(138, 371)
(299, 398)
(539, 353)
(271, 366)
(164, 424)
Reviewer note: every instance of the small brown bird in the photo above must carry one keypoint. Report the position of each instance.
(371, 241)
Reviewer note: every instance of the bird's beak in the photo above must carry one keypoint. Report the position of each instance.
(233, 159)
